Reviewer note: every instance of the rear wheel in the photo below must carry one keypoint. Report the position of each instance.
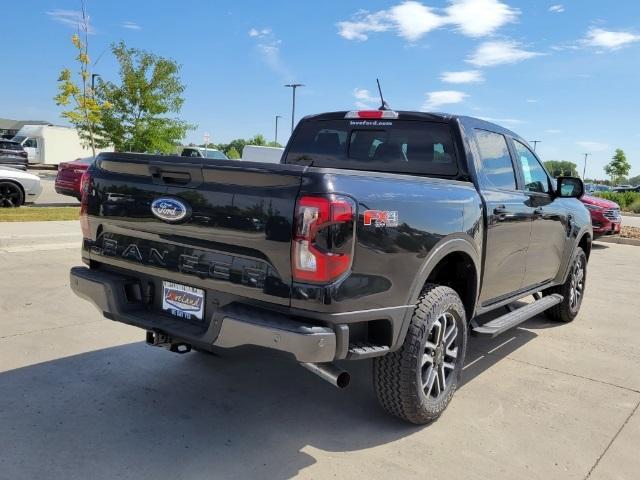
(11, 195)
(417, 381)
(572, 290)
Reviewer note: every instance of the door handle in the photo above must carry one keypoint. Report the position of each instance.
(500, 210)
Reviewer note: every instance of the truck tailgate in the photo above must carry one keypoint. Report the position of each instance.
(235, 238)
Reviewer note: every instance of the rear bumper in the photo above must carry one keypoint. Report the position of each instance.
(231, 326)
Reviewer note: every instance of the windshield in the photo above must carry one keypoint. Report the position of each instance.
(378, 145)
(19, 138)
(215, 154)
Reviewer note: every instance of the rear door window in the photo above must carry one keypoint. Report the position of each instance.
(497, 167)
(383, 146)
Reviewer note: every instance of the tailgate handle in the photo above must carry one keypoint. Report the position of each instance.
(170, 178)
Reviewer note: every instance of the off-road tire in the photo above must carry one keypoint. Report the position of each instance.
(565, 311)
(398, 376)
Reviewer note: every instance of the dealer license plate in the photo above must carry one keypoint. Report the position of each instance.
(183, 301)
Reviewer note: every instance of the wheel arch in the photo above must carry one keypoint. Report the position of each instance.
(445, 263)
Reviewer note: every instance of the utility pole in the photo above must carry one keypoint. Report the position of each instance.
(276, 140)
(93, 82)
(535, 143)
(293, 87)
(584, 170)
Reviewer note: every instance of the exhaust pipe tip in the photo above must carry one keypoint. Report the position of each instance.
(343, 380)
(330, 372)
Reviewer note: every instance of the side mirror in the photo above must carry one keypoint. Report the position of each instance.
(570, 187)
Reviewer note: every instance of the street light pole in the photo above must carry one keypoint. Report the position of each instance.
(535, 143)
(293, 87)
(584, 170)
(276, 140)
(93, 81)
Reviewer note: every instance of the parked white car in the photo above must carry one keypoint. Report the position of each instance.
(18, 187)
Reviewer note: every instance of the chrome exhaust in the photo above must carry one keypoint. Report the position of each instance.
(329, 372)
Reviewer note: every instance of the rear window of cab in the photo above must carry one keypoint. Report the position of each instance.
(399, 146)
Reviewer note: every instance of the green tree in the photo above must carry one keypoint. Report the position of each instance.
(149, 90)
(559, 168)
(85, 108)
(233, 154)
(257, 139)
(618, 166)
(634, 180)
(274, 144)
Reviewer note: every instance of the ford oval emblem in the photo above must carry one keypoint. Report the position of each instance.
(170, 210)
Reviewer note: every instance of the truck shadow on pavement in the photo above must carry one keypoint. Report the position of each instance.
(134, 411)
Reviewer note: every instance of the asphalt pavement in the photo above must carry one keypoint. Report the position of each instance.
(83, 397)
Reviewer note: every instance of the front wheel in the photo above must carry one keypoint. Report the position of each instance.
(417, 381)
(10, 195)
(572, 290)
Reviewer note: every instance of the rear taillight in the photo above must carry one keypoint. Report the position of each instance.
(85, 192)
(322, 247)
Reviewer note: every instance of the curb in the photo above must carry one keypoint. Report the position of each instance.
(622, 241)
(629, 214)
(52, 205)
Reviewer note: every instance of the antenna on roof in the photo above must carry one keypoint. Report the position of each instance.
(384, 105)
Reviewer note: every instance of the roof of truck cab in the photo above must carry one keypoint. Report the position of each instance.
(469, 122)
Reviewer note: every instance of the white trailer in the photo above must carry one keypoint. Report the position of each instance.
(52, 144)
(255, 153)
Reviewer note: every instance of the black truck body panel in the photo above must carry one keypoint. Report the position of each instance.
(236, 244)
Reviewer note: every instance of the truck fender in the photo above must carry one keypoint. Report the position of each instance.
(446, 246)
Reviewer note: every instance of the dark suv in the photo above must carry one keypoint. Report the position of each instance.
(12, 155)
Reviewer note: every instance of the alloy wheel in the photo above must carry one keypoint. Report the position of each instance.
(577, 285)
(9, 195)
(440, 356)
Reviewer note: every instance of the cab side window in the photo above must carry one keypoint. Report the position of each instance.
(535, 177)
(31, 142)
(497, 168)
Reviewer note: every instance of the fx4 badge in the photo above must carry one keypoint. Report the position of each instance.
(381, 218)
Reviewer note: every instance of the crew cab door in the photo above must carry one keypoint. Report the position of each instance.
(508, 218)
(549, 226)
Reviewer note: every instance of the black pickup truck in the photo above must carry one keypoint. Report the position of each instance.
(381, 234)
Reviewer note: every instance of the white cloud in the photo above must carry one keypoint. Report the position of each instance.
(532, 100)
(559, 8)
(268, 45)
(364, 22)
(71, 18)
(435, 100)
(466, 76)
(593, 146)
(553, 130)
(130, 25)
(411, 19)
(477, 18)
(608, 39)
(254, 32)
(364, 99)
(489, 54)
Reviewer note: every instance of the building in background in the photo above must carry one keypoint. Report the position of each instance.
(8, 127)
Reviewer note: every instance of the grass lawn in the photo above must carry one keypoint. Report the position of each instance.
(38, 214)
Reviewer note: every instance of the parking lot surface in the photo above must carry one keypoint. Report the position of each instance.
(82, 397)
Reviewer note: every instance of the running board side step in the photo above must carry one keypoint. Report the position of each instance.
(516, 317)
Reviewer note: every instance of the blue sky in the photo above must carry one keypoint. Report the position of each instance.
(566, 73)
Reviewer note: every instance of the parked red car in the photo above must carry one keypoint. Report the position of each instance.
(69, 175)
(605, 215)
